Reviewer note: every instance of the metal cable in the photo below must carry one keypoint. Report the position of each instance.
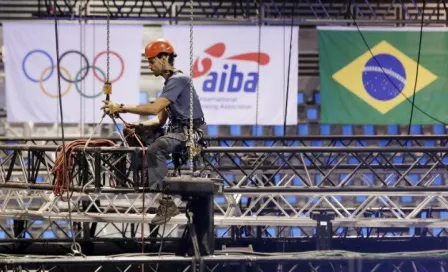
(190, 138)
(75, 247)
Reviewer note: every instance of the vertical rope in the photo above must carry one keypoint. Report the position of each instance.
(191, 89)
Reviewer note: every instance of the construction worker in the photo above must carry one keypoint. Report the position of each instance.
(173, 103)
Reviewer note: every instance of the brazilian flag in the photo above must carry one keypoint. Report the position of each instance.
(374, 83)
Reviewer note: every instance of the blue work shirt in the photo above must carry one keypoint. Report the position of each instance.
(177, 91)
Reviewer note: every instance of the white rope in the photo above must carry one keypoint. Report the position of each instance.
(190, 138)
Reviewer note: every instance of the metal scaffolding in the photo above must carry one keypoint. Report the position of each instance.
(269, 191)
(304, 12)
(241, 261)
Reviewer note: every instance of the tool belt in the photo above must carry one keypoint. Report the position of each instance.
(178, 126)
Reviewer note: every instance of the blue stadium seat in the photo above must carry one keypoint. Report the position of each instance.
(317, 97)
(430, 143)
(269, 143)
(119, 127)
(49, 234)
(212, 130)
(248, 143)
(392, 129)
(437, 180)
(317, 179)
(293, 143)
(353, 160)
(368, 179)
(272, 231)
(342, 177)
(220, 199)
(369, 130)
(143, 97)
(278, 131)
(439, 129)
(335, 199)
(303, 129)
(235, 130)
(228, 178)
(397, 159)
(416, 129)
(222, 232)
(325, 130)
(297, 182)
(2, 235)
(295, 232)
(277, 179)
(300, 98)
(347, 130)
(414, 178)
(436, 231)
(257, 130)
(291, 199)
(311, 113)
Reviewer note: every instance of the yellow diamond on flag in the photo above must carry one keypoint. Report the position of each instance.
(385, 82)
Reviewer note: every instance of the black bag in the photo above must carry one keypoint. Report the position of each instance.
(147, 135)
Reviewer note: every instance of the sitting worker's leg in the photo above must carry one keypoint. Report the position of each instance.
(158, 153)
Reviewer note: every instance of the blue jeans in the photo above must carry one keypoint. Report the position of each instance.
(157, 154)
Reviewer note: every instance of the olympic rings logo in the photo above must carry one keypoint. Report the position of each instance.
(67, 76)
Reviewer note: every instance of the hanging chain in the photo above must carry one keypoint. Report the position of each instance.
(108, 42)
(107, 84)
(191, 89)
(257, 97)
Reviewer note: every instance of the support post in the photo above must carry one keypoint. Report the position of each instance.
(203, 222)
(324, 231)
(97, 162)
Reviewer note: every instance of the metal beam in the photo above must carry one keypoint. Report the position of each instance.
(330, 12)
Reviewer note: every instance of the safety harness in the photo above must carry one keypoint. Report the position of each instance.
(195, 144)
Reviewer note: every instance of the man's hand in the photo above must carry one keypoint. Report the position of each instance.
(112, 107)
(129, 129)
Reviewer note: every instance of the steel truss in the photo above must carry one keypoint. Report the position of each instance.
(267, 11)
(233, 141)
(241, 261)
(288, 190)
(366, 189)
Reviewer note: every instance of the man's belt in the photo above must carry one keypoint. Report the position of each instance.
(196, 123)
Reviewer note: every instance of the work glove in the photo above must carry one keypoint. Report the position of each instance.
(111, 107)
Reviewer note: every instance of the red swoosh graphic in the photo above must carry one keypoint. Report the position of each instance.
(264, 58)
(216, 50)
(206, 64)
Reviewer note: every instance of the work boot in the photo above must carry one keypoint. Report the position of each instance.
(165, 211)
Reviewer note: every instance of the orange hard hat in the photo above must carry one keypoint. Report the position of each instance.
(158, 46)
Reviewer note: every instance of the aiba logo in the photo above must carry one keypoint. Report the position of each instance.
(229, 76)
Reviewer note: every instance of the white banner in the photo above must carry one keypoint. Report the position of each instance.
(31, 74)
(226, 72)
